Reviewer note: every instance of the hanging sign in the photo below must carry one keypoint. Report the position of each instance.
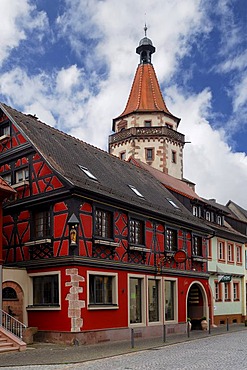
(224, 278)
(180, 256)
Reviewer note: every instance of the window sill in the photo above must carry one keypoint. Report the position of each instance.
(93, 307)
(20, 184)
(199, 258)
(4, 137)
(43, 308)
(138, 248)
(106, 242)
(37, 242)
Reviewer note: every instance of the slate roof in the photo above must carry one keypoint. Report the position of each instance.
(242, 213)
(170, 182)
(64, 153)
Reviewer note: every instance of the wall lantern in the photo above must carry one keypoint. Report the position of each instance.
(73, 223)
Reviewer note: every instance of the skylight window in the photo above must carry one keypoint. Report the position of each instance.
(172, 203)
(136, 191)
(88, 173)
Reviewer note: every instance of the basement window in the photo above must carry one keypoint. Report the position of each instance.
(133, 188)
(88, 173)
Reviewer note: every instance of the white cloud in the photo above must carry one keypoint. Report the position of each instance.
(17, 18)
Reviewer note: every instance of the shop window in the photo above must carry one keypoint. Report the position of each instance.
(45, 290)
(218, 291)
(42, 224)
(236, 294)
(170, 303)
(153, 300)
(135, 300)
(104, 224)
(197, 246)
(227, 292)
(102, 289)
(171, 240)
(136, 232)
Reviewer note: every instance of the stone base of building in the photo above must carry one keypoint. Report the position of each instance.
(232, 319)
(108, 335)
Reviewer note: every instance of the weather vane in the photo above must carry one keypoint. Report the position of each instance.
(145, 29)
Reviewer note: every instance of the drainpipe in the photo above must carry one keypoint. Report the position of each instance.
(1, 262)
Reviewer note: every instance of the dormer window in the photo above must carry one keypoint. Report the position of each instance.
(219, 220)
(207, 216)
(88, 173)
(197, 211)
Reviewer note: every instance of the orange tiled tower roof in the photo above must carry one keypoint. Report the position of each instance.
(145, 94)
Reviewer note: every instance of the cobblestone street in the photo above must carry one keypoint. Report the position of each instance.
(225, 351)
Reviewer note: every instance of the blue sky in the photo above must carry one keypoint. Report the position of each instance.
(72, 62)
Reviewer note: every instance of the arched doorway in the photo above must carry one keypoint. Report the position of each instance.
(12, 295)
(196, 305)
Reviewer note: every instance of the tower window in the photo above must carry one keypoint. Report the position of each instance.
(149, 154)
(174, 156)
(147, 123)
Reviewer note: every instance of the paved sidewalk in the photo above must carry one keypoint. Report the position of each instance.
(45, 354)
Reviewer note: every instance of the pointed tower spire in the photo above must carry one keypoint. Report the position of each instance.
(147, 130)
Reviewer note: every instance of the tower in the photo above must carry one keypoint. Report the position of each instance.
(147, 130)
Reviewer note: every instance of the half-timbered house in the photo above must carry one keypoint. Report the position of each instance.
(94, 245)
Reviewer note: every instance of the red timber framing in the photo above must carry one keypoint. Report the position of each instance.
(88, 260)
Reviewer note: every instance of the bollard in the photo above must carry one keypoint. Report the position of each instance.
(227, 324)
(188, 329)
(132, 338)
(164, 333)
(209, 326)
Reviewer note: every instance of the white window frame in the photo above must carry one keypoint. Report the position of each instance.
(22, 171)
(143, 300)
(153, 323)
(30, 290)
(114, 305)
(175, 298)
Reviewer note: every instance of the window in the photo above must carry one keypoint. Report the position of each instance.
(227, 292)
(7, 177)
(21, 175)
(208, 216)
(172, 203)
(218, 291)
(122, 156)
(170, 290)
(45, 290)
(169, 126)
(230, 257)
(197, 245)
(239, 254)
(104, 224)
(9, 294)
(133, 188)
(209, 248)
(88, 173)
(135, 300)
(221, 250)
(219, 220)
(5, 130)
(102, 289)
(236, 296)
(42, 224)
(136, 232)
(171, 240)
(174, 156)
(153, 300)
(196, 211)
(147, 123)
(149, 154)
